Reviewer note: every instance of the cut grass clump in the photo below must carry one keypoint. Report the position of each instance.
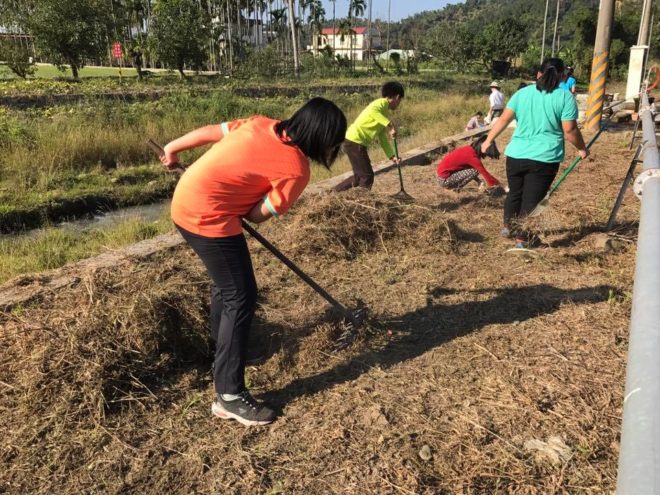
(346, 225)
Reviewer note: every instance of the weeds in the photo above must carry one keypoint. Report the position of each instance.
(54, 247)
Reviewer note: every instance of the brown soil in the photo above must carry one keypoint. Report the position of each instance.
(479, 372)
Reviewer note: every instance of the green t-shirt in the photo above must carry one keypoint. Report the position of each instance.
(539, 135)
(371, 123)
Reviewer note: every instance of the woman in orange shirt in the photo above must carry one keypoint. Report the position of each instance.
(256, 169)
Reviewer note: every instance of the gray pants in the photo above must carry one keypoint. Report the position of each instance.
(459, 179)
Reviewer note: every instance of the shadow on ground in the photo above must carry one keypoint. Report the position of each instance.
(436, 324)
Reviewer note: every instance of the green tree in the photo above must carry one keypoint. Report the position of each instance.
(502, 40)
(316, 19)
(17, 58)
(68, 33)
(451, 43)
(180, 30)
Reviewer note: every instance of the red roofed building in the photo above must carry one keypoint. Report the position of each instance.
(355, 46)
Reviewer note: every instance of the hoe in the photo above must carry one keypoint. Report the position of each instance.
(352, 319)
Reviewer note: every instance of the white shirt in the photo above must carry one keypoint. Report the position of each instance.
(496, 100)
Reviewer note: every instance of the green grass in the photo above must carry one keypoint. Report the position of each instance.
(53, 247)
(47, 71)
(63, 153)
(68, 151)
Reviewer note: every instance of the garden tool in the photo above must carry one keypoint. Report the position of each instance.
(402, 194)
(353, 320)
(545, 202)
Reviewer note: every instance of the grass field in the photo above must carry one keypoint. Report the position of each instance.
(47, 71)
(59, 161)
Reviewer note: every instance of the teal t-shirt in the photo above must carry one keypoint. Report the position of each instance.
(539, 135)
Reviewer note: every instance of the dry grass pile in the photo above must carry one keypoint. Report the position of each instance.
(95, 373)
(90, 356)
(482, 372)
(345, 226)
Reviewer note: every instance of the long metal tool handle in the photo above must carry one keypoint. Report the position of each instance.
(294, 268)
(575, 162)
(398, 165)
(158, 149)
(276, 252)
(626, 182)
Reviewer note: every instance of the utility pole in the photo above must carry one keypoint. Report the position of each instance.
(369, 53)
(599, 65)
(545, 23)
(554, 34)
(389, 9)
(645, 25)
(292, 23)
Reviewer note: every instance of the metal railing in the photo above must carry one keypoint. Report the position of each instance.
(639, 458)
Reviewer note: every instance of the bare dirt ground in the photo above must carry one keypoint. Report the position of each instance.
(480, 372)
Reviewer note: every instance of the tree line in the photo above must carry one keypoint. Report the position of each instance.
(269, 37)
(217, 35)
(470, 35)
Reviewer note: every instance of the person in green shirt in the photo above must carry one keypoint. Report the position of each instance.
(374, 122)
(545, 118)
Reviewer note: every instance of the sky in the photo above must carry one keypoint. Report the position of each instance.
(400, 8)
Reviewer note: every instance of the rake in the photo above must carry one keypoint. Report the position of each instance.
(545, 202)
(402, 194)
(353, 320)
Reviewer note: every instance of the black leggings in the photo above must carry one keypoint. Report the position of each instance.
(233, 302)
(529, 181)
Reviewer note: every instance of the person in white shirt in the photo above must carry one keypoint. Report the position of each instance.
(496, 100)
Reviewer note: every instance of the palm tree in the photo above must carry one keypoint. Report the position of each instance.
(294, 44)
(334, 28)
(278, 17)
(355, 7)
(345, 29)
(316, 19)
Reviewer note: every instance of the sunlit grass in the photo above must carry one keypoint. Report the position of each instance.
(63, 156)
(54, 247)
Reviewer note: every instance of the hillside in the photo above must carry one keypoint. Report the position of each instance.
(478, 31)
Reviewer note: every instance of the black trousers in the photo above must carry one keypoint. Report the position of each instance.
(363, 172)
(529, 181)
(233, 302)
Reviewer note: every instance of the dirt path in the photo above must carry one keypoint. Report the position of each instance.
(479, 373)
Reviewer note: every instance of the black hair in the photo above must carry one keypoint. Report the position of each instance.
(551, 73)
(491, 152)
(479, 114)
(318, 128)
(391, 89)
(522, 85)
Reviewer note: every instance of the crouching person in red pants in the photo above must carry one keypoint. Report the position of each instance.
(462, 165)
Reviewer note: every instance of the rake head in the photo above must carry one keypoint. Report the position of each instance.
(403, 196)
(353, 320)
(541, 207)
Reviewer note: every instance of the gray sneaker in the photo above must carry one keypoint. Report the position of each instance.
(245, 409)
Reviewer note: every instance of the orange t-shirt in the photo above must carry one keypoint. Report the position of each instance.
(250, 163)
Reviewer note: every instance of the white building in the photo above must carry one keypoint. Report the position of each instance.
(355, 46)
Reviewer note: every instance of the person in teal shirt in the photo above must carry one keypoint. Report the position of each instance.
(373, 123)
(546, 117)
(569, 83)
